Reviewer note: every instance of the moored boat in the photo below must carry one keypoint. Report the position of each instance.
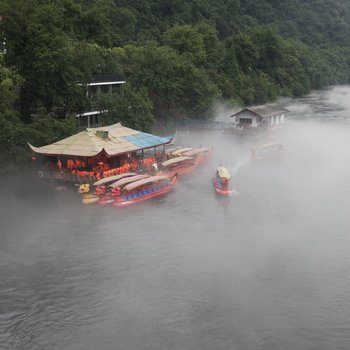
(221, 182)
(268, 151)
(108, 180)
(170, 150)
(176, 151)
(144, 189)
(178, 165)
(180, 151)
(113, 189)
(89, 198)
(202, 154)
(91, 193)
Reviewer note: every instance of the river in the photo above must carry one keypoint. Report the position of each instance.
(267, 268)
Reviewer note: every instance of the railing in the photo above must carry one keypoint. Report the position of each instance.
(201, 125)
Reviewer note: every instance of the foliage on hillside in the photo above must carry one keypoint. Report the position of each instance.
(177, 56)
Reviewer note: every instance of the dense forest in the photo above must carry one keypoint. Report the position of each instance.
(178, 57)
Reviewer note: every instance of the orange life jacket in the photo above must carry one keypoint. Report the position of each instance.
(70, 164)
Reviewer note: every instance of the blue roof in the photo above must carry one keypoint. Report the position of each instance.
(144, 140)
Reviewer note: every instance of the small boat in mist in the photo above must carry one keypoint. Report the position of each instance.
(145, 189)
(221, 182)
(268, 151)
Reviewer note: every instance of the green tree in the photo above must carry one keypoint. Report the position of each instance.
(175, 85)
(186, 40)
(133, 108)
(12, 130)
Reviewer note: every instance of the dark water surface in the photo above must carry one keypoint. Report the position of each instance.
(265, 269)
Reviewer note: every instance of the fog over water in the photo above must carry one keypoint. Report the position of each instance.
(267, 268)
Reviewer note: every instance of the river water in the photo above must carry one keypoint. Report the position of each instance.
(267, 268)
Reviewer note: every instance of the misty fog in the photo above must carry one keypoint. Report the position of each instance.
(266, 268)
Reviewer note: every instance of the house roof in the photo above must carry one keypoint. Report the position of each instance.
(90, 142)
(264, 111)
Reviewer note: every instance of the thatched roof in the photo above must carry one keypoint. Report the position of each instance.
(112, 140)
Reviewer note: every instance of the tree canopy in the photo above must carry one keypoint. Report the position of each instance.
(178, 57)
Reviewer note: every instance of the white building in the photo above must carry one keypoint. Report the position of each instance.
(264, 116)
(104, 84)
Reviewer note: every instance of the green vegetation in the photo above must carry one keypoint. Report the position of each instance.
(178, 57)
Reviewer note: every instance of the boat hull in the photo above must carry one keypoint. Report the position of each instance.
(203, 159)
(221, 191)
(106, 199)
(90, 199)
(120, 202)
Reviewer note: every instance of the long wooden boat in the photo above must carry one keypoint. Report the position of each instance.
(171, 149)
(111, 179)
(145, 189)
(91, 193)
(203, 154)
(113, 189)
(180, 151)
(89, 198)
(268, 151)
(221, 182)
(179, 165)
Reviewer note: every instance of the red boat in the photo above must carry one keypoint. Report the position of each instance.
(178, 165)
(113, 190)
(222, 182)
(91, 193)
(178, 152)
(202, 154)
(142, 190)
(169, 151)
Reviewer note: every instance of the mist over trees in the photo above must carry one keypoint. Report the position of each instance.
(178, 57)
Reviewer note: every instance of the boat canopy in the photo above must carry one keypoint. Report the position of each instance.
(106, 180)
(175, 160)
(195, 152)
(139, 183)
(270, 146)
(127, 180)
(223, 172)
(172, 149)
(181, 150)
